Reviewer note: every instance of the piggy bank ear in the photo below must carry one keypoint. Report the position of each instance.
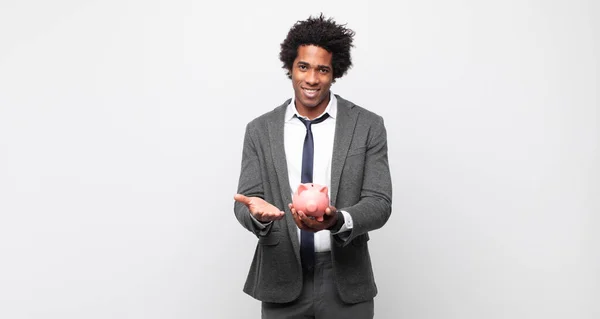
(323, 189)
(302, 188)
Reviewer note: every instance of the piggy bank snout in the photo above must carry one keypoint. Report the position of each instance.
(311, 206)
(312, 199)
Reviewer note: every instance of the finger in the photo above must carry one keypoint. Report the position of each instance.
(273, 215)
(305, 219)
(297, 220)
(303, 226)
(242, 199)
(312, 223)
(330, 210)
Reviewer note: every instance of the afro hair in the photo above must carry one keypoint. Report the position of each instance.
(321, 32)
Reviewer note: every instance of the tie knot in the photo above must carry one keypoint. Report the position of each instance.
(308, 123)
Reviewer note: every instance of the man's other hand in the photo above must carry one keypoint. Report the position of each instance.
(259, 208)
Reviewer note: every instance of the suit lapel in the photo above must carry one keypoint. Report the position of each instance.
(276, 130)
(344, 129)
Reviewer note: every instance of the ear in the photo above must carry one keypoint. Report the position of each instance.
(302, 188)
(323, 189)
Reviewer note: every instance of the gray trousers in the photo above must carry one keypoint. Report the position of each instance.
(319, 298)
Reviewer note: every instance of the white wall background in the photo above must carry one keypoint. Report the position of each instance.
(121, 126)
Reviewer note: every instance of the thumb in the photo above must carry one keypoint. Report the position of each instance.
(331, 210)
(242, 199)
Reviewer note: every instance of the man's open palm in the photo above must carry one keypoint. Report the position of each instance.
(259, 208)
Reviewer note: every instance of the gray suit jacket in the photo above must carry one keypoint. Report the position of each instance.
(360, 185)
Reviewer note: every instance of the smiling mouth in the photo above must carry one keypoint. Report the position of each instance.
(310, 92)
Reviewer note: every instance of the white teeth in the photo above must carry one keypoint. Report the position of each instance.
(310, 92)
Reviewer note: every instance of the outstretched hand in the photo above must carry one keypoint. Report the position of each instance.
(259, 208)
(310, 224)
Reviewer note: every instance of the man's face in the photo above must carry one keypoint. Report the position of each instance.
(312, 75)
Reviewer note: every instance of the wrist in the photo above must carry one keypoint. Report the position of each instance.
(338, 223)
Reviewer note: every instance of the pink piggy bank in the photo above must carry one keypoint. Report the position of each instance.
(311, 199)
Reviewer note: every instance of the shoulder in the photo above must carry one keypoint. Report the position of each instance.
(364, 115)
(273, 116)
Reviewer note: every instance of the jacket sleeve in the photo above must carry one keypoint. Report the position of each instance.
(375, 205)
(250, 184)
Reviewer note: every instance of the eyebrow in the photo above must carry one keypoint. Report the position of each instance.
(321, 66)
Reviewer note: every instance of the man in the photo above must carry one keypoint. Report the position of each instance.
(304, 268)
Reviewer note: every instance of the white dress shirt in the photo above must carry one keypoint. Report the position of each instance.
(294, 132)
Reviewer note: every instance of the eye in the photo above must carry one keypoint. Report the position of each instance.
(324, 71)
(302, 67)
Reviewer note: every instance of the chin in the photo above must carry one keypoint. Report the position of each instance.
(312, 103)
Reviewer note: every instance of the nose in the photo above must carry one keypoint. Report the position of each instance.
(312, 78)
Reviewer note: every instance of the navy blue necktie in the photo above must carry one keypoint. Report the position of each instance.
(307, 242)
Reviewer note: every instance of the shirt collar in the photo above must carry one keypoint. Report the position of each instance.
(331, 108)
